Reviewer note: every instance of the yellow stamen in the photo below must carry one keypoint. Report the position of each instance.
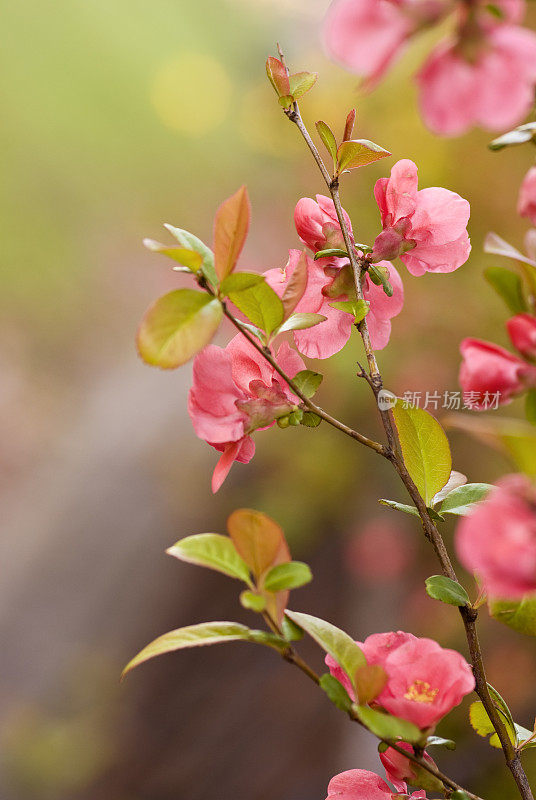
(421, 692)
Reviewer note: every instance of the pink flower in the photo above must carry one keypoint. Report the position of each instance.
(234, 392)
(489, 374)
(498, 540)
(399, 769)
(522, 332)
(326, 282)
(366, 36)
(376, 648)
(317, 223)
(425, 682)
(526, 204)
(493, 88)
(360, 784)
(427, 228)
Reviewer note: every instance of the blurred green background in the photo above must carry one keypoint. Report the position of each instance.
(118, 116)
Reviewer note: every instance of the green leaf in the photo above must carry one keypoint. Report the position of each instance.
(425, 449)
(509, 286)
(214, 551)
(231, 226)
(358, 308)
(301, 82)
(299, 321)
(269, 639)
(482, 724)
(516, 136)
(255, 299)
(331, 252)
(520, 615)
(239, 282)
(388, 727)
(328, 138)
(501, 706)
(380, 276)
(191, 242)
(438, 741)
(307, 382)
(358, 153)
(439, 587)
(331, 639)
(400, 507)
(177, 326)
(285, 101)
(336, 692)
(530, 406)
(252, 601)
(291, 631)
(410, 509)
(291, 575)
(190, 259)
(461, 501)
(459, 794)
(204, 633)
(310, 419)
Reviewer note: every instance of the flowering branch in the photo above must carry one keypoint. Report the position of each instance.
(265, 352)
(469, 614)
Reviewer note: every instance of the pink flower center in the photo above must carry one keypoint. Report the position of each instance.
(421, 692)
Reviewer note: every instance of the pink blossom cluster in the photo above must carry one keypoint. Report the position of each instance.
(424, 680)
(490, 370)
(236, 391)
(328, 280)
(497, 541)
(483, 74)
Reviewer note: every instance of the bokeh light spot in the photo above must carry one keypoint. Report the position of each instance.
(191, 93)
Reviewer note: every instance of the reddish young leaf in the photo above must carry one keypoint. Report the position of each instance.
(349, 126)
(296, 286)
(277, 75)
(230, 230)
(258, 539)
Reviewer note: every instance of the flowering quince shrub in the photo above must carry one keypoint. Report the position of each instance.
(482, 73)
(396, 685)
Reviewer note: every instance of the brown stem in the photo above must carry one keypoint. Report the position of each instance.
(468, 614)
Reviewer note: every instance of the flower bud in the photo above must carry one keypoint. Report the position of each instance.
(522, 332)
(490, 371)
